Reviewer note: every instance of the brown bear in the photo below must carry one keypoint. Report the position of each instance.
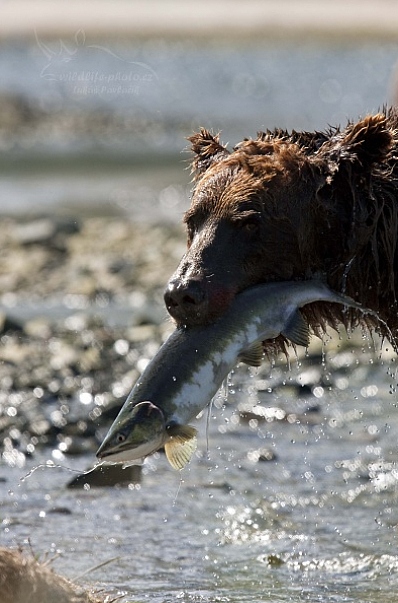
(294, 206)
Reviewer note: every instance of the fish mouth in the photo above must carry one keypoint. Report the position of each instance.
(149, 422)
(123, 454)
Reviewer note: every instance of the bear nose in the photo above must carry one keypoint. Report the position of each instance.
(184, 299)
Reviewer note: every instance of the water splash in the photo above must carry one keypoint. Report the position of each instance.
(345, 274)
(51, 465)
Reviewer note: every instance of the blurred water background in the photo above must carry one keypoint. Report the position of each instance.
(100, 122)
(295, 501)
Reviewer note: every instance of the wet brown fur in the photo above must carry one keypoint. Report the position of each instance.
(24, 580)
(294, 206)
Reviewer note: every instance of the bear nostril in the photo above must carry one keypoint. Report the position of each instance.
(169, 299)
(180, 295)
(188, 299)
(193, 294)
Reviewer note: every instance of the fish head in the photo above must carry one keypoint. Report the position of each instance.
(136, 432)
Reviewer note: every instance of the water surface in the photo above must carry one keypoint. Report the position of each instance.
(317, 523)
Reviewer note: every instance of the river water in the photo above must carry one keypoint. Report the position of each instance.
(96, 124)
(316, 522)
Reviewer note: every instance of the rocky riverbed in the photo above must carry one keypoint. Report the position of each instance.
(82, 313)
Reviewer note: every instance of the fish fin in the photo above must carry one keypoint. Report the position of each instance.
(180, 445)
(297, 330)
(253, 355)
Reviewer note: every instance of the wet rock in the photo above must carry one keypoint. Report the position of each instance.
(40, 427)
(39, 327)
(73, 445)
(311, 416)
(37, 231)
(15, 352)
(107, 475)
(274, 560)
(111, 411)
(60, 511)
(8, 323)
(262, 455)
(90, 360)
(260, 414)
(141, 333)
(223, 486)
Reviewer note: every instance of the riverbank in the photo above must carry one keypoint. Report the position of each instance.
(221, 20)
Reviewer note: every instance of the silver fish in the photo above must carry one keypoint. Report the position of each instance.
(191, 365)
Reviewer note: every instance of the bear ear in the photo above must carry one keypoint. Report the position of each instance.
(361, 145)
(207, 150)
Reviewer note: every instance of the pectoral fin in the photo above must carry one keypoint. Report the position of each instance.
(297, 330)
(180, 445)
(253, 355)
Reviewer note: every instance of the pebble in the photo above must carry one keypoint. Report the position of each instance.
(37, 231)
(262, 455)
(7, 323)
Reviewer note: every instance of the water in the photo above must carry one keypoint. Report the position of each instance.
(318, 523)
(95, 124)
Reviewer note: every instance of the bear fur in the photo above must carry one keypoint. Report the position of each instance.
(294, 206)
(25, 580)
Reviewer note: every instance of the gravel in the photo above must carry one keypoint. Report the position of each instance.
(81, 312)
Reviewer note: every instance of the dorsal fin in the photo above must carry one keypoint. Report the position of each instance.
(253, 355)
(180, 445)
(297, 330)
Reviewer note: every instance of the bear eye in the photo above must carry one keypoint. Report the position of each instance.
(249, 224)
(193, 223)
(191, 229)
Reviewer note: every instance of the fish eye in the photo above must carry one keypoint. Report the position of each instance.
(120, 438)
